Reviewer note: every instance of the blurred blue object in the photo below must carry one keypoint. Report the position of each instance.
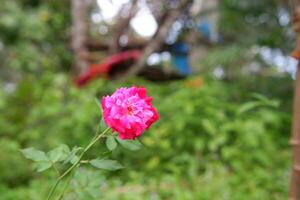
(205, 29)
(180, 58)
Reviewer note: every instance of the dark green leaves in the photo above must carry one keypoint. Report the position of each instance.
(62, 154)
(42, 166)
(132, 145)
(248, 106)
(59, 154)
(111, 143)
(106, 164)
(34, 154)
(260, 100)
(113, 140)
(72, 157)
(44, 160)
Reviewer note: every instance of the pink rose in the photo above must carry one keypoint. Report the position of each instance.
(129, 112)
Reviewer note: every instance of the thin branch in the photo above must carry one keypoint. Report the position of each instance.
(79, 33)
(157, 41)
(69, 170)
(55, 168)
(294, 193)
(122, 26)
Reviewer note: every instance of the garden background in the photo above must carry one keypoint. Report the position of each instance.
(223, 131)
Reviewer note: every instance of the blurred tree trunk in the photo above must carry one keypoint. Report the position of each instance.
(295, 138)
(157, 40)
(122, 26)
(79, 33)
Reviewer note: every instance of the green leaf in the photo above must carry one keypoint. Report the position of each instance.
(265, 101)
(132, 145)
(248, 106)
(59, 154)
(34, 154)
(111, 143)
(72, 157)
(102, 123)
(106, 164)
(209, 127)
(42, 166)
(98, 103)
(260, 97)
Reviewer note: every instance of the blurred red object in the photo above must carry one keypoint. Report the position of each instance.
(104, 68)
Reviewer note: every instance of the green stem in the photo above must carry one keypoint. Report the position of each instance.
(53, 188)
(61, 196)
(55, 168)
(75, 164)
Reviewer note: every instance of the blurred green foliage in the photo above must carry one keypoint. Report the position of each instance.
(34, 36)
(216, 139)
(264, 23)
(208, 144)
